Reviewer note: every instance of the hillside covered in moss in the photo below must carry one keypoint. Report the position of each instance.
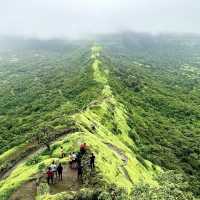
(136, 108)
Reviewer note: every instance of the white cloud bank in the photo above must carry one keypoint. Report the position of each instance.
(61, 18)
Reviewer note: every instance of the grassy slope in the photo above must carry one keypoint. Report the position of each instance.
(99, 113)
(109, 118)
(11, 153)
(163, 104)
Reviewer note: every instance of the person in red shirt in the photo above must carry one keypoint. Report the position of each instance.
(83, 148)
(49, 176)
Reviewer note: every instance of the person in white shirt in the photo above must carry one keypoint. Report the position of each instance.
(74, 156)
(53, 167)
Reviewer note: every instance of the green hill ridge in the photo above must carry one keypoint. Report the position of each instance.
(116, 161)
(134, 100)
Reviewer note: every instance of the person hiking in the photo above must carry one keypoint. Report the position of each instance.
(49, 176)
(60, 170)
(74, 156)
(78, 158)
(79, 172)
(54, 169)
(62, 154)
(83, 148)
(70, 160)
(92, 160)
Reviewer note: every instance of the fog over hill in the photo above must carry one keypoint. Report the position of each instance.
(49, 18)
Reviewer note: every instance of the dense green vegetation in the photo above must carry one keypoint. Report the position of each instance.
(42, 88)
(136, 104)
(161, 91)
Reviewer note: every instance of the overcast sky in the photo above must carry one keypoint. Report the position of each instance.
(60, 18)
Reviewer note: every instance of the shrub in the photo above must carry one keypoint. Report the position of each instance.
(33, 161)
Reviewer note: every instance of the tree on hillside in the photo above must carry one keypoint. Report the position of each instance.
(44, 136)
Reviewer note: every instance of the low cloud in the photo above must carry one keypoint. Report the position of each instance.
(74, 18)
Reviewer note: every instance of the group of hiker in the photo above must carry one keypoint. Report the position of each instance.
(75, 163)
(53, 172)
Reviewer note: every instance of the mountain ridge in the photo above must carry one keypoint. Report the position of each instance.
(84, 120)
(127, 113)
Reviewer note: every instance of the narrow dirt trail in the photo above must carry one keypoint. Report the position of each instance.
(69, 182)
(123, 157)
(15, 158)
(26, 192)
(120, 152)
(4, 176)
(29, 156)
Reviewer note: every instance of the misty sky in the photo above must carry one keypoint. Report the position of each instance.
(61, 18)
